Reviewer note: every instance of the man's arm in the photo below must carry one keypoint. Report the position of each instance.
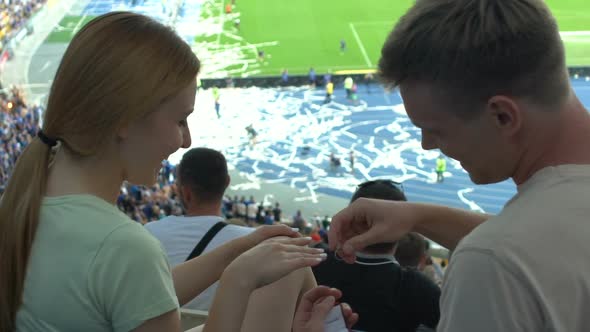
(370, 221)
(444, 225)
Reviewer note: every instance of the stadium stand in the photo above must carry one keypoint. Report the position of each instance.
(19, 123)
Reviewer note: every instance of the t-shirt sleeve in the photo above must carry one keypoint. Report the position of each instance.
(482, 294)
(130, 279)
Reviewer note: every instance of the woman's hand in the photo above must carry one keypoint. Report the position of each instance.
(272, 260)
(315, 306)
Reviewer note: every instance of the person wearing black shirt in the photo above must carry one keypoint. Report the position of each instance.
(387, 297)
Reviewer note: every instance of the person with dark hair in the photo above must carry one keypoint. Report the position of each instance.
(312, 77)
(486, 83)
(202, 180)
(387, 296)
(411, 251)
(277, 212)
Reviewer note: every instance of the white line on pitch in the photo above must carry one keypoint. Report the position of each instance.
(361, 46)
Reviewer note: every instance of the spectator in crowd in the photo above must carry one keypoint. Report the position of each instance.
(328, 77)
(329, 92)
(472, 96)
(228, 207)
(65, 184)
(277, 212)
(202, 181)
(252, 210)
(13, 18)
(369, 78)
(19, 124)
(386, 296)
(348, 83)
(299, 222)
(326, 222)
(139, 202)
(431, 268)
(410, 252)
(216, 101)
(268, 216)
(312, 77)
(285, 77)
(242, 209)
(441, 168)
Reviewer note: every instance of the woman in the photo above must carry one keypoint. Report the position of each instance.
(71, 261)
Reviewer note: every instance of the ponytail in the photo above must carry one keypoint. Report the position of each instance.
(19, 216)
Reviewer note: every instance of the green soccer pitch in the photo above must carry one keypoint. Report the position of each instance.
(300, 34)
(308, 32)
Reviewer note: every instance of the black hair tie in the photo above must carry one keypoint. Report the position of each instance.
(47, 140)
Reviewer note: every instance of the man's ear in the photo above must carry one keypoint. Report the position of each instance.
(186, 193)
(506, 115)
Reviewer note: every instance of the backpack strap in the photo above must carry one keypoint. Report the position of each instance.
(198, 250)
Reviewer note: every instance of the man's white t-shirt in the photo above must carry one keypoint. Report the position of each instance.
(527, 269)
(252, 210)
(180, 235)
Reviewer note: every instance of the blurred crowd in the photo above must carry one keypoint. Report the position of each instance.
(19, 123)
(14, 14)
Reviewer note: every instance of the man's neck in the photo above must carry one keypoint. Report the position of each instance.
(203, 210)
(563, 141)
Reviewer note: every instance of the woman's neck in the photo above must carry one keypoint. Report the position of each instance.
(97, 176)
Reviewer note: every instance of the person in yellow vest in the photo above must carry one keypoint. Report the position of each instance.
(441, 167)
(348, 83)
(329, 92)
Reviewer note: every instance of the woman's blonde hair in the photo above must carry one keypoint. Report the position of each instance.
(117, 69)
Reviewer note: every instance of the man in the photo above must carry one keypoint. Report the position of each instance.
(441, 168)
(277, 212)
(216, 98)
(348, 83)
(411, 251)
(386, 296)
(329, 92)
(342, 45)
(202, 181)
(486, 82)
(285, 77)
(312, 77)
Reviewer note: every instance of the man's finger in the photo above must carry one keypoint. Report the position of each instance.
(359, 242)
(339, 221)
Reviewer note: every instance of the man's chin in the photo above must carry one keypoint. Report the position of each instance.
(482, 180)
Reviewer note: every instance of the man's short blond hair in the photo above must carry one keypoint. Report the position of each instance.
(475, 49)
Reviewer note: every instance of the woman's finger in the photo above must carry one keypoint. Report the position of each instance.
(277, 230)
(298, 248)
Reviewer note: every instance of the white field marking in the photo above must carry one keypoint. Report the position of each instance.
(361, 46)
